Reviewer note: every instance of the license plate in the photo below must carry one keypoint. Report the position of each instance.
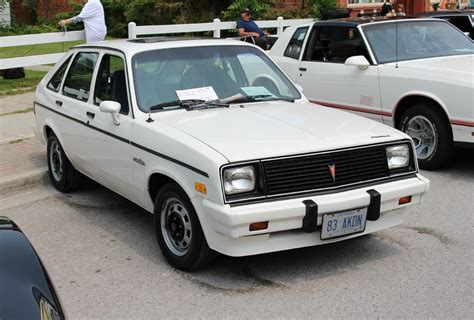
(341, 224)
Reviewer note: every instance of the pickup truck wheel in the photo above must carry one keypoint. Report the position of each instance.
(61, 172)
(178, 230)
(431, 134)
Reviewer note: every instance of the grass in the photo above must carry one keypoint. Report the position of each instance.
(16, 86)
(37, 49)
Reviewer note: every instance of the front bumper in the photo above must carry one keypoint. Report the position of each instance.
(227, 228)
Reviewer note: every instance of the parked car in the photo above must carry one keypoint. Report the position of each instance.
(213, 139)
(462, 19)
(26, 289)
(414, 74)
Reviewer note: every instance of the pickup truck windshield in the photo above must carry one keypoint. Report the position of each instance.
(416, 40)
(238, 71)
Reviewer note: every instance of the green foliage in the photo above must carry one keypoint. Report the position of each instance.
(145, 12)
(317, 5)
(258, 7)
(14, 30)
(32, 6)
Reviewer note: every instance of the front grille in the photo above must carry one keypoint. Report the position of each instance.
(311, 172)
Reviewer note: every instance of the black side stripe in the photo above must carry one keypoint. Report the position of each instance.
(163, 156)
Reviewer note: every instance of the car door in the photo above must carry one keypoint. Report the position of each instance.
(73, 103)
(290, 59)
(107, 145)
(328, 81)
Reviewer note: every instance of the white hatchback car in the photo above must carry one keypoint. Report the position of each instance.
(214, 139)
(422, 84)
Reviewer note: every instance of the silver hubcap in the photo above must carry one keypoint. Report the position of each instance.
(421, 130)
(55, 160)
(176, 226)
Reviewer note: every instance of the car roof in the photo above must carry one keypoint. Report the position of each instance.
(132, 46)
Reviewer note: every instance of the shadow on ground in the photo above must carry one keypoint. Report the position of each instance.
(133, 226)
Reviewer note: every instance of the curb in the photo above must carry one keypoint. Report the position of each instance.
(30, 178)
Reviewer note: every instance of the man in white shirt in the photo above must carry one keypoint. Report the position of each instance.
(92, 14)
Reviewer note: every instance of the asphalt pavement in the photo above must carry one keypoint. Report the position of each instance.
(101, 253)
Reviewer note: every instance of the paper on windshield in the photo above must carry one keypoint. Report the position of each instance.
(203, 93)
(256, 91)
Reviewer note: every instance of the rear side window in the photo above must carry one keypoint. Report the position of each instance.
(78, 81)
(55, 81)
(296, 43)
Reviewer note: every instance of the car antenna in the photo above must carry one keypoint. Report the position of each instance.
(149, 112)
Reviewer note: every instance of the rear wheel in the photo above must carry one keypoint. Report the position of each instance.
(178, 230)
(63, 175)
(431, 134)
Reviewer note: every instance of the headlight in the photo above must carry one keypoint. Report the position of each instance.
(398, 156)
(238, 180)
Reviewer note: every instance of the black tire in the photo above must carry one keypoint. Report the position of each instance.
(15, 73)
(68, 178)
(442, 150)
(197, 254)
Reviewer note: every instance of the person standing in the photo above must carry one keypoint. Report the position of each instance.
(386, 8)
(92, 14)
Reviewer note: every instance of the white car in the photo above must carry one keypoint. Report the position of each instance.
(422, 83)
(213, 139)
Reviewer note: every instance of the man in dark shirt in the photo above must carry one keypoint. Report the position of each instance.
(248, 28)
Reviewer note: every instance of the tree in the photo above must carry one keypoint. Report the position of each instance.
(258, 8)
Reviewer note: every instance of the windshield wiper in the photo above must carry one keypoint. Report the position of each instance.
(260, 97)
(176, 103)
(190, 104)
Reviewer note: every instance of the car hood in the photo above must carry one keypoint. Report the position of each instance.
(457, 68)
(264, 130)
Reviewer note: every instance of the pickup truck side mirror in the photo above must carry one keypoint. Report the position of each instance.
(113, 108)
(357, 61)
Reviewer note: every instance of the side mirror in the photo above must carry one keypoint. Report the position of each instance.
(113, 108)
(357, 61)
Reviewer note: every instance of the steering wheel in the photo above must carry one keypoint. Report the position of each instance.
(268, 83)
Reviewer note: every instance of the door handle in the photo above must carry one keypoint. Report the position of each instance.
(59, 103)
(303, 69)
(90, 114)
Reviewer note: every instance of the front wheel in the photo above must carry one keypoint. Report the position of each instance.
(63, 175)
(178, 230)
(431, 134)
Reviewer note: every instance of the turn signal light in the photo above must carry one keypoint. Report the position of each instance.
(404, 200)
(258, 226)
(200, 187)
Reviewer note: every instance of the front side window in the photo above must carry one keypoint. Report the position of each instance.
(409, 40)
(229, 70)
(296, 43)
(57, 78)
(78, 80)
(336, 44)
(111, 83)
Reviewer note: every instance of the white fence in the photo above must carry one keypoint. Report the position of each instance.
(133, 32)
(216, 27)
(34, 39)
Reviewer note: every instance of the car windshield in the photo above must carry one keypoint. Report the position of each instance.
(235, 72)
(416, 40)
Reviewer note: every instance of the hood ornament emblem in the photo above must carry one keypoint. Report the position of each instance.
(332, 170)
